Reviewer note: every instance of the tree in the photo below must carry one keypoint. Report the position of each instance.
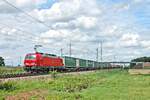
(141, 59)
(2, 63)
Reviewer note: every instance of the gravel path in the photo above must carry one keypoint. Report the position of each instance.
(139, 71)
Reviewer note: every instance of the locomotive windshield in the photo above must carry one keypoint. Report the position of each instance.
(30, 57)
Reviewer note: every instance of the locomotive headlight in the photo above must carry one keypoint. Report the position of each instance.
(26, 63)
(30, 63)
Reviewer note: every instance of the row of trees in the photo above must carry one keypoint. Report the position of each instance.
(141, 59)
(2, 63)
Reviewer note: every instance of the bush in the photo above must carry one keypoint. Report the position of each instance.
(8, 86)
(54, 74)
(72, 84)
(5, 70)
(2, 63)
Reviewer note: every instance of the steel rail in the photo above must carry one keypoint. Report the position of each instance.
(14, 75)
(26, 74)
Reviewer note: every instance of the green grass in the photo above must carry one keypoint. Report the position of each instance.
(4, 70)
(101, 85)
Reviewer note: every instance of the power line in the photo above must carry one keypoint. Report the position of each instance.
(23, 31)
(22, 38)
(61, 52)
(97, 54)
(101, 51)
(18, 29)
(35, 19)
(70, 51)
(20, 61)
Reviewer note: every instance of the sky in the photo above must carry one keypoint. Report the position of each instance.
(122, 26)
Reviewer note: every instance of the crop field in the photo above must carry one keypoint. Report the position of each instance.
(4, 70)
(99, 85)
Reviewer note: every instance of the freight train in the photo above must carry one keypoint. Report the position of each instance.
(43, 62)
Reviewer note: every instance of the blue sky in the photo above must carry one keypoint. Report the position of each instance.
(122, 25)
(47, 4)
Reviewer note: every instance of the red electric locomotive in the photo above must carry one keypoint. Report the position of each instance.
(36, 62)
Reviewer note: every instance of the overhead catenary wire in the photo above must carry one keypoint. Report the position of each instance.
(97, 54)
(30, 35)
(101, 45)
(21, 30)
(70, 49)
(18, 29)
(22, 38)
(35, 19)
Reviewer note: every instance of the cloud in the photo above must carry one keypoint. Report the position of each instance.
(145, 44)
(59, 11)
(86, 22)
(130, 40)
(65, 10)
(22, 4)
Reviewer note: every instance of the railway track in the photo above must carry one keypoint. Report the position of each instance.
(20, 75)
(15, 75)
(40, 76)
(27, 74)
(46, 76)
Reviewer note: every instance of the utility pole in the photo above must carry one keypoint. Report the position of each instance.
(20, 59)
(70, 52)
(97, 54)
(12, 63)
(114, 58)
(61, 52)
(101, 43)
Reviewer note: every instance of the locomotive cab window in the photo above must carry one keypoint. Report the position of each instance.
(30, 57)
(49, 55)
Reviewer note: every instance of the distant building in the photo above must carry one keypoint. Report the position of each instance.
(146, 65)
(142, 65)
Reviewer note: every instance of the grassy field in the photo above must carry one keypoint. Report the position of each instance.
(101, 85)
(4, 70)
